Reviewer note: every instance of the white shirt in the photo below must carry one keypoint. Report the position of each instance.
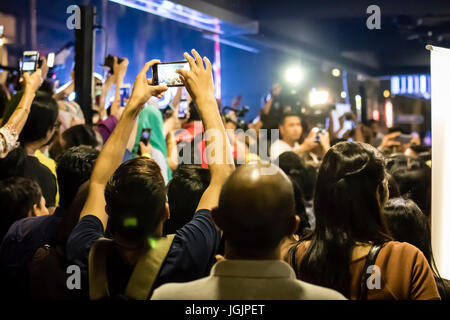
(280, 146)
(247, 280)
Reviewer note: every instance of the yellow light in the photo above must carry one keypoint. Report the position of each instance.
(386, 93)
(336, 72)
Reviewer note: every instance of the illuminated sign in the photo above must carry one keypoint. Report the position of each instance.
(418, 85)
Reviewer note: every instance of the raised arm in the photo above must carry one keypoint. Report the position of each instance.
(112, 154)
(199, 83)
(20, 115)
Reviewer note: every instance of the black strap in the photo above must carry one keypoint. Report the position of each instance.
(370, 261)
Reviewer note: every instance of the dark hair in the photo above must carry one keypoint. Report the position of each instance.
(408, 223)
(3, 100)
(184, 192)
(304, 174)
(300, 209)
(41, 119)
(135, 197)
(80, 135)
(194, 115)
(74, 167)
(17, 197)
(415, 184)
(347, 210)
(289, 114)
(394, 191)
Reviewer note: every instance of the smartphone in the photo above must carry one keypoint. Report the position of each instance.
(182, 109)
(318, 131)
(145, 135)
(30, 61)
(125, 92)
(51, 59)
(404, 138)
(164, 73)
(2, 29)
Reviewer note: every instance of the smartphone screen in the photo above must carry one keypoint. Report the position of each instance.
(51, 59)
(145, 135)
(164, 73)
(182, 109)
(404, 138)
(125, 91)
(30, 61)
(2, 28)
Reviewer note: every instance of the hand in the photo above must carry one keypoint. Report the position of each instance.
(120, 69)
(32, 82)
(198, 80)
(143, 88)
(389, 140)
(116, 109)
(44, 67)
(325, 142)
(146, 148)
(309, 143)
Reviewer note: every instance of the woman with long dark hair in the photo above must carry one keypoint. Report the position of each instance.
(351, 250)
(408, 223)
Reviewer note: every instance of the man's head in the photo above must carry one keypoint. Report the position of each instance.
(74, 168)
(256, 210)
(291, 127)
(184, 192)
(19, 198)
(136, 202)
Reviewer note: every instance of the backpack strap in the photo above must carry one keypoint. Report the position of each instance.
(98, 283)
(147, 268)
(142, 278)
(370, 261)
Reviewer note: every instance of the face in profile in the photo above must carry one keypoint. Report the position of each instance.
(291, 129)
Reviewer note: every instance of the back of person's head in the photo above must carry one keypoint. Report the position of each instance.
(394, 190)
(184, 192)
(135, 201)
(19, 198)
(350, 193)
(304, 174)
(408, 223)
(415, 184)
(74, 167)
(256, 209)
(79, 135)
(41, 119)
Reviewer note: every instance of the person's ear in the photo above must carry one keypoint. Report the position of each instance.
(293, 225)
(216, 216)
(166, 211)
(33, 211)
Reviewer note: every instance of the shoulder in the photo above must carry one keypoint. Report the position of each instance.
(181, 291)
(400, 251)
(314, 292)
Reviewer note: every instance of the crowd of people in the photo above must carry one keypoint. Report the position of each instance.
(192, 211)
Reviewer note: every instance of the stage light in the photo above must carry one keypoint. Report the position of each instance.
(386, 94)
(343, 94)
(318, 97)
(336, 72)
(358, 102)
(293, 75)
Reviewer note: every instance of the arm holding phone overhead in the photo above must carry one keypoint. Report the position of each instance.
(199, 83)
(112, 154)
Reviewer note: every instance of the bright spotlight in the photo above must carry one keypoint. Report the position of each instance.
(343, 94)
(386, 93)
(317, 97)
(336, 72)
(293, 75)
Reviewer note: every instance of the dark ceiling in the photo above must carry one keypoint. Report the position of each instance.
(336, 30)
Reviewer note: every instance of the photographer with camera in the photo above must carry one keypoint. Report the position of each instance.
(316, 144)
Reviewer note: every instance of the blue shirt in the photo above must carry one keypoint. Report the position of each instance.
(25, 236)
(190, 257)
